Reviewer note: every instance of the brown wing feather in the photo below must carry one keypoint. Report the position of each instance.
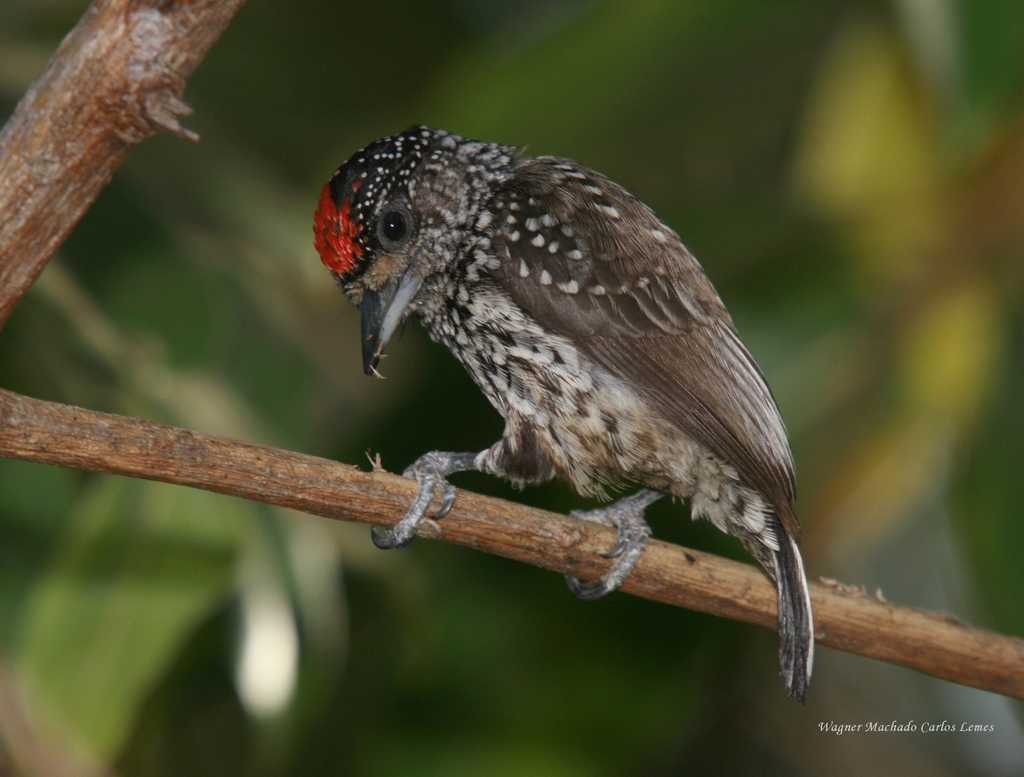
(591, 262)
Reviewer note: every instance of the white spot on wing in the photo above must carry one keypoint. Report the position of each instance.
(538, 240)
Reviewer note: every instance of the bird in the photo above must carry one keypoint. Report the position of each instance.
(590, 327)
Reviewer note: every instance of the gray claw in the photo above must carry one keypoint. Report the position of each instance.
(628, 515)
(618, 549)
(429, 472)
(448, 494)
(588, 592)
(390, 539)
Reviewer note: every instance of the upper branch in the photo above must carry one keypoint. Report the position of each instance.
(845, 619)
(117, 78)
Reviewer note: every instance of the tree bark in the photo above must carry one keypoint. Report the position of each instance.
(117, 78)
(845, 618)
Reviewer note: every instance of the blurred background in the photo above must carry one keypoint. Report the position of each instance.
(850, 174)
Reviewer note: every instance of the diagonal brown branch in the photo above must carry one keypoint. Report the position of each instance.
(117, 78)
(933, 643)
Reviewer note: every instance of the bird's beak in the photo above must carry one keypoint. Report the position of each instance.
(382, 310)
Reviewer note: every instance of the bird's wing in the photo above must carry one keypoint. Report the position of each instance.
(589, 261)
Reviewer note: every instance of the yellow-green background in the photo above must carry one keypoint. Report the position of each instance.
(851, 176)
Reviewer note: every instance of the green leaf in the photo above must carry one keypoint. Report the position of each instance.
(994, 58)
(34, 500)
(990, 493)
(140, 566)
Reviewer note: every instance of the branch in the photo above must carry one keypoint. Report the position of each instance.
(846, 619)
(117, 78)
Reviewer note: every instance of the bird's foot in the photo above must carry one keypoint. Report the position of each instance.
(429, 470)
(627, 515)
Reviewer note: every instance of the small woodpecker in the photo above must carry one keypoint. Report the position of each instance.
(593, 331)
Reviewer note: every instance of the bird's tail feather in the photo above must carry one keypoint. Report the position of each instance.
(796, 624)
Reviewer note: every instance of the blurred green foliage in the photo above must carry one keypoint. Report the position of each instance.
(851, 175)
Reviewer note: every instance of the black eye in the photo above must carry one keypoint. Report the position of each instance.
(394, 226)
